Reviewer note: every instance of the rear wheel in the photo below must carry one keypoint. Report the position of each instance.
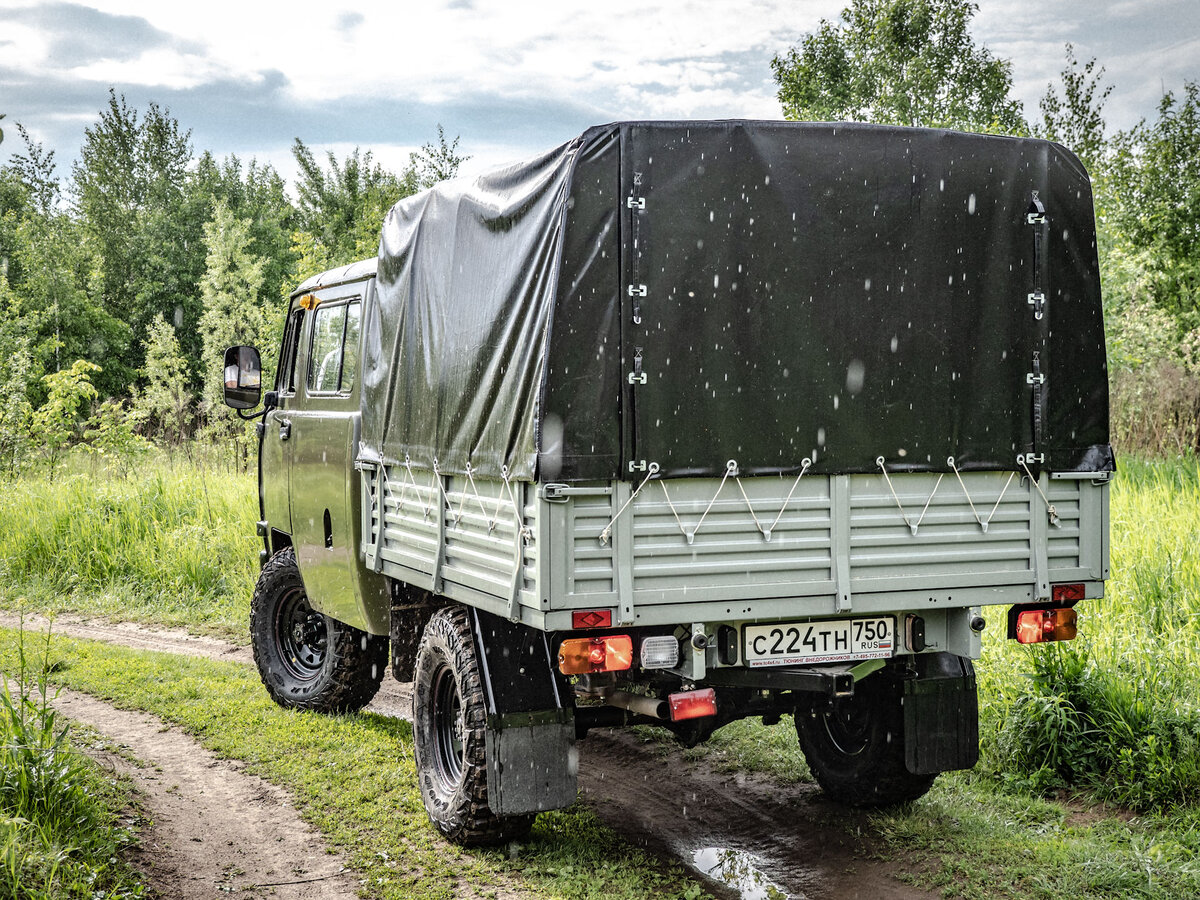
(855, 746)
(449, 735)
(306, 659)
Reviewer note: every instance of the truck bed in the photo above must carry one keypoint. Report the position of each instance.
(838, 544)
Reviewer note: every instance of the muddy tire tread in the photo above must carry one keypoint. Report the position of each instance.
(469, 820)
(356, 661)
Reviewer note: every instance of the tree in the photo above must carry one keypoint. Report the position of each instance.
(1156, 214)
(342, 209)
(128, 192)
(899, 62)
(229, 290)
(49, 270)
(1076, 119)
(434, 163)
(56, 424)
(165, 400)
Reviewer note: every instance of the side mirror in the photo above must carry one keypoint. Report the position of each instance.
(243, 378)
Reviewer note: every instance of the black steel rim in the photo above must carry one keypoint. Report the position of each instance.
(448, 727)
(848, 727)
(302, 634)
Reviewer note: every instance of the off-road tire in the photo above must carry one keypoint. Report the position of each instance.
(449, 723)
(855, 746)
(307, 660)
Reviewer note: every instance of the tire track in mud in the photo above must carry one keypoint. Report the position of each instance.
(787, 836)
(214, 829)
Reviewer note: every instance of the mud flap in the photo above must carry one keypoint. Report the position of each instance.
(941, 715)
(530, 736)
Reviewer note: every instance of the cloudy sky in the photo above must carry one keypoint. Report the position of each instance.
(511, 77)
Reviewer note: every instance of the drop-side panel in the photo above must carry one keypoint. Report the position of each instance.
(686, 549)
(458, 536)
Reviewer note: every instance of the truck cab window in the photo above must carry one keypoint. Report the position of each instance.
(285, 379)
(333, 358)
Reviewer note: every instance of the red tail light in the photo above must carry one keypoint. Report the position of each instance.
(583, 656)
(693, 704)
(1038, 626)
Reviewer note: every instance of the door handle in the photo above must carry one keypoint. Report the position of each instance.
(285, 429)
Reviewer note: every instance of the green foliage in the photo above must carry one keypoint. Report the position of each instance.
(58, 835)
(1076, 118)
(1116, 711)
(171, 544)
(1156, 209)
(56, 424)
(111, 434)
(165, 401)
(128, 192)
(17, 373)
(900, 62)
(342, 209)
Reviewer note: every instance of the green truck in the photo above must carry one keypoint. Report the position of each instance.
(681, 423)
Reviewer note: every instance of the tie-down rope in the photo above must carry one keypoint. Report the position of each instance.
(606, 534)
(1053, 513)
(983, 523)
(731, 471)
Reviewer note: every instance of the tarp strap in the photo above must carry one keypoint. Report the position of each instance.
(1037, 381)
(525, 531)
(731, 468)
(913, 526)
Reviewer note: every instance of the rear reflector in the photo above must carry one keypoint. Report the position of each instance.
(1066, 593)
(660, 652)
(693, 704)
(1038, 626)
(584, 656)
(591, 618)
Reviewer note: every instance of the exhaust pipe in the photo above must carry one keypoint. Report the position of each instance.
(640, 704)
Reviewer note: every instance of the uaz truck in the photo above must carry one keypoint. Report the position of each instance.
(681, 423)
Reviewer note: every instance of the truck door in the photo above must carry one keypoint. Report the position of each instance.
(274, 452)
(324, 434)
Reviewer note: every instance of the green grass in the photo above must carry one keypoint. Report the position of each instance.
(353, 778)
(60, 835)
(1115, 712)
(171, 544)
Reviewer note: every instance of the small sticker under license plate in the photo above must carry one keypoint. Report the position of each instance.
(834, 640)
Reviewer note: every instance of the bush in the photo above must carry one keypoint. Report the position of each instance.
(57, 829)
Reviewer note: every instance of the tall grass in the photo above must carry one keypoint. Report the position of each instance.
(173, 544)
(58, 835)
(1117, 711)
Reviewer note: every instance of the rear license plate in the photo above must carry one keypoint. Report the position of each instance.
(836, 640)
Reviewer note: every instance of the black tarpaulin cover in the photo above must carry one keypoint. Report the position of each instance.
(689, 293)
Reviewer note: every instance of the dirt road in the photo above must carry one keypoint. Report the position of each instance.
(750, 835)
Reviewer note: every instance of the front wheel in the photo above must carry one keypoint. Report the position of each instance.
(855, 747)
(449, 735)
(306, 659)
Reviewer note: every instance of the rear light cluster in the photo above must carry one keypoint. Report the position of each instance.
(587, 656)
(1038, 626)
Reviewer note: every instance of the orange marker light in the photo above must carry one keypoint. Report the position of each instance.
(1039, 626)
(584, 656)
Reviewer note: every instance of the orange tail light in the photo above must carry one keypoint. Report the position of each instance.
(583, 656)
(1038, 626)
